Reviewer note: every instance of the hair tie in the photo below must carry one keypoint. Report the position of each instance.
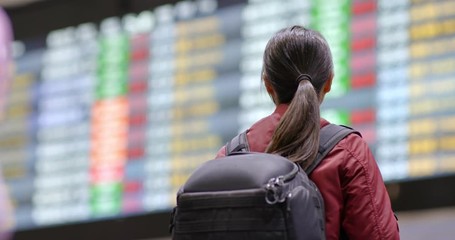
(304, 77)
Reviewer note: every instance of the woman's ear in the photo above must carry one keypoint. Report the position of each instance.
(326, 88)
(328, 85)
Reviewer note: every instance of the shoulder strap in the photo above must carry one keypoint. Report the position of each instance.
(329, 136)
(238, 144)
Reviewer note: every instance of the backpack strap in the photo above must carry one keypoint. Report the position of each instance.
(238, 144)
(329, 137)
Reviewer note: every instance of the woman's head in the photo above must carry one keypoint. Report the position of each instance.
(294, 51)
(298, 71)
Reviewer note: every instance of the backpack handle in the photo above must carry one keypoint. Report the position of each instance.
(238, 144)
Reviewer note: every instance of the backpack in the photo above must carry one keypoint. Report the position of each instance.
(248, 195)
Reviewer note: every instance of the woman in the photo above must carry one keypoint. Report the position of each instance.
(297, 73)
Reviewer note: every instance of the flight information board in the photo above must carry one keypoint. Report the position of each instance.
(107, 120)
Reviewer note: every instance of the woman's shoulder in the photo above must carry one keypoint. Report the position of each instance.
(356, 160)
(355, 146)
(352, 152)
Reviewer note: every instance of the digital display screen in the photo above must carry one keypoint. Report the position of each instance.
(108, 120)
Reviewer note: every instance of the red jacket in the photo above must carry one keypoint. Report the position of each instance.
(354, 193)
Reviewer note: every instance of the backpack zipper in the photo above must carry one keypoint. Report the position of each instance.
(274, 188)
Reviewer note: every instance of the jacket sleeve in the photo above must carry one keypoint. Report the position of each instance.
(367, 212)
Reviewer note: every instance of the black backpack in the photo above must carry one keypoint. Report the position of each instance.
(248, 195)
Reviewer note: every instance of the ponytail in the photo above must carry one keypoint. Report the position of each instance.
(289, 53)
(297, 134)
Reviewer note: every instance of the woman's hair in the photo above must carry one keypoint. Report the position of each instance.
(297, 63)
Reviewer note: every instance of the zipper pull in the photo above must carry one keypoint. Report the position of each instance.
(274, 190)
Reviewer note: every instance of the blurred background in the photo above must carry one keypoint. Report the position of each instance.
(115, 102)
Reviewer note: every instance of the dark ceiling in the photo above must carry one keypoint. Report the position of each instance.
(38, 18)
